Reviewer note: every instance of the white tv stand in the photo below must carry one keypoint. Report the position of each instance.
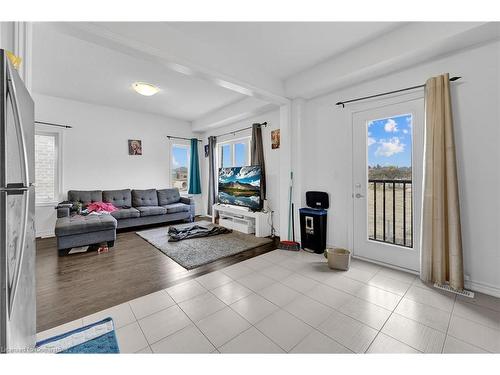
(242, 220)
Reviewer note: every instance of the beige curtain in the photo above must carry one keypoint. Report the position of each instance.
(441, 258)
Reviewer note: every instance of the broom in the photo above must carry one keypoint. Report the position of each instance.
(290, 245)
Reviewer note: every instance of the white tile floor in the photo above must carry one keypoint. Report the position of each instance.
(291, 302)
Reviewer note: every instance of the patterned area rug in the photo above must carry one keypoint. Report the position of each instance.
(95, 338)
(195, 252)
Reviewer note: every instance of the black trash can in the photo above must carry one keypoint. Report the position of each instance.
(313, 229)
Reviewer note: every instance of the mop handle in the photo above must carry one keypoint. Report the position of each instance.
(290, 207)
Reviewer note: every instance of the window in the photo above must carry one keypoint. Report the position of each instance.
(389, 164)
(226, 158)
(234, 153)
(240, 154)
(180, 166)
(46, 168)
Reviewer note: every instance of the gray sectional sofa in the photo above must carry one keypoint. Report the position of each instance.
(135, 208)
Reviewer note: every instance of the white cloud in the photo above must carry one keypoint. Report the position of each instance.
(255, 183)
(391, 126)
(371, 141)
(405, 131)
(226, 172)
(370, 123)
(175, 163)
(390, 147)
(246, 172)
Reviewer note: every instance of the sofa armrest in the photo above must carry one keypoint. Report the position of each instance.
(187, 200)
(190, 202)
(62, 211)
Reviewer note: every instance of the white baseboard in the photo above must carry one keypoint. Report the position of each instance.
(45, 234)
(386, 265)
(475, 286)
(483, 288)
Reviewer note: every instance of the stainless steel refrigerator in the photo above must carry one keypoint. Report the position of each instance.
(17, 211)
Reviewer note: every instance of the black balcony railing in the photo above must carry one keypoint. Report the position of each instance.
(390, 211)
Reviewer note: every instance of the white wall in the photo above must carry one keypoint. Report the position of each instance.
(95, 150)
(326, 155)
(271, 157)
(7, 35)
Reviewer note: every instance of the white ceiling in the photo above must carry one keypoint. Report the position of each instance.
(68, 63)
(283, 48)
(68, 67)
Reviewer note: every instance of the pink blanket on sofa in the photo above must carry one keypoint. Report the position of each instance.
(101, 207)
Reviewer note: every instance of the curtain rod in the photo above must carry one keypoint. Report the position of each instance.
(187, 139)
(52, 124)
(264, 124)
(387, 93)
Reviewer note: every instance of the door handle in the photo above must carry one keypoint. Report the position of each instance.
(358, 195)
(14, 190)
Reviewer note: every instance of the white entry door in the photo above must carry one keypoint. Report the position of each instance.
(387, 180)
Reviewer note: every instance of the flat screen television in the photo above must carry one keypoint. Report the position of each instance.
(240, 186)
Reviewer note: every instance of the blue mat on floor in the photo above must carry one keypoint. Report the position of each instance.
(95, 338)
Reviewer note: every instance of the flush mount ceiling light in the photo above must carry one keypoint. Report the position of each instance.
(146, 89)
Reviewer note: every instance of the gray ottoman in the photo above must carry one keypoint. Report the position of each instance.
(78, 230)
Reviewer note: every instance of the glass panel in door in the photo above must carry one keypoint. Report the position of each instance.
(389, 163)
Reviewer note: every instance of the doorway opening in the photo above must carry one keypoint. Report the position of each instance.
(387, 178)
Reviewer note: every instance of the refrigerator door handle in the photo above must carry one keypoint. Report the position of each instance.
(14, 190)
(11, 89)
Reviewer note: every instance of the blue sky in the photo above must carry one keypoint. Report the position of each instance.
(390, 141)
(180, 157)
(240, 155)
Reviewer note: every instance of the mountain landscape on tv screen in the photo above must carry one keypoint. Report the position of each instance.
(240, 186)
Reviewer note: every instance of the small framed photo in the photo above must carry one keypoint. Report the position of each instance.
(275, 139)
(134, 147)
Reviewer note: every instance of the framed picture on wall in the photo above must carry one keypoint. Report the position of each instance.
(134, 147)
(275, 139)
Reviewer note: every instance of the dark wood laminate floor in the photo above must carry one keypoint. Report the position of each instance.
(77, 285)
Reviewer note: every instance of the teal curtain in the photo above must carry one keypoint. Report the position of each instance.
(194, 170)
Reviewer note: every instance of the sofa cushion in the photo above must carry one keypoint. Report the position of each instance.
(126, 213)
(176, 207)
(119, 198)
(78, 224)
(152, 210)
(142, 198)
(85, 196)
(168, 196)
